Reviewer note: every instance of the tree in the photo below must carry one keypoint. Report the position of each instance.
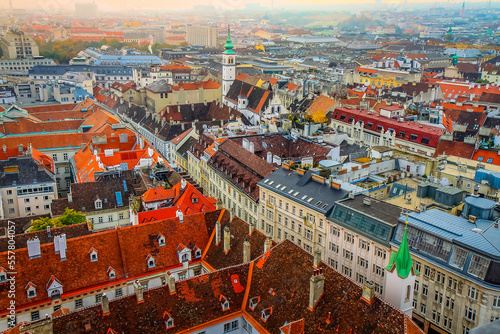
(42, 223)
(69, 217)
(319, 117)
(72, 217)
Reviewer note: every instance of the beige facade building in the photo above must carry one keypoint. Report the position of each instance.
(207, 36)
(15, 45)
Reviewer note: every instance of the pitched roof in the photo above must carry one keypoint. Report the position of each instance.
(322, 104)
(455, 148)
(158, 194)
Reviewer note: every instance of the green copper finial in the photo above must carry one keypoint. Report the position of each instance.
(229, 46)
(401, 260)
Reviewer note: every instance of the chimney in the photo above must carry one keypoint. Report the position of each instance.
(251, 147)
(34, 248)
(48, 231)
(316, 287)
(105, 304)
(317, 257)
(217, 232)
(139, 292)
(171, 282)
(227, 240)
(62, 246)
(183, 126)
(246, 251)
(250, 228)
(4, 147)
(70, 198)
(20, 149)
(267, 244)
(219, 205)
(368, 291)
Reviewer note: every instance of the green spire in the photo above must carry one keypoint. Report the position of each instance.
(402, 259)
(229, 46)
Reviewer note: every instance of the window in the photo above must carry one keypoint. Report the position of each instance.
(120, 216)
(101, 219)
(473, 293)
(348, 255)
(496, 301)
(98, 204)
(452, 283)
(362, 262)
(427, 271)
(54, 157)
(413, 137)
(423, 308)
(425, 289)
(35, 315)
(450, 303)
(169, 323)
(98, 298)
(110, 218)
(417, 286)
(151, 261)
(466, 330)
(364, 245)
(57, 307)
(79, 303)
(425, 140)
(26, 200)
(470, 313)
(478, 266)
(65, 156)
(458, 257)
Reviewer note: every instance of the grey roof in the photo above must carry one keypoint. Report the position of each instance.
(307, 188)
(159, 86)
(61, 69)
(383, 211)
(182, 151)
(489, 328)
(458, 230)
(28, 173)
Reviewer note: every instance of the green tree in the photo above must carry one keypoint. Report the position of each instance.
(103, 41)
(69, 217)
(72, 217)
(42, 223)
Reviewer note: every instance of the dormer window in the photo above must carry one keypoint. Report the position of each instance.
(111, 273)
(3, 275)
(185, 258)
(169, 321)
(161, 240)
(93, 254)
(31, 290)
(252, 303)
(98, 204)
(266, 313)
(224, 303)
(198, 253)
(151, 261)
(194, 200)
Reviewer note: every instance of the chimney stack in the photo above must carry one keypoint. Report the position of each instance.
(34, 248)
(217, 232)
(246, 251)
(368, 291)
(139, 292)
(227, 240)
(317, 257)
(70, 198)
(250, 228)
(20, 149)
(268, 244)
(316, 287)
(219, 205)
(105, 304)
(171, 282)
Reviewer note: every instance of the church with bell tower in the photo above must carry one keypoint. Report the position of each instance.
(228, 65)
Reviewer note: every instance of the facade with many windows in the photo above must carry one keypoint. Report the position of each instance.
(457, 287)
(358, 238)
(294, 206)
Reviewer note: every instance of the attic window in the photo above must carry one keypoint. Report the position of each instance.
(161, 240)
(325, 206)
(319, 203)
(270, 183)
(169, 323)
(184, 258)
(93, 254)
(267, 313)
(296, 193)
(3, 275)
(290, 191)
(151, 261)
(489, 161)
(266, 180)
(98, 204)
(111, 273)
(252, 303)
(198, 253)
(279, 185)
(194, 200)
(224, 303)
(31, 290)
(310, 199)
(304, 197)
(283, 188)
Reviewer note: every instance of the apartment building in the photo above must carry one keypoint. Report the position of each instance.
(16, 45)
(21, 67)
(207, 36)
(28, 183)
(457, 258)
(294, 205)
(358, 238)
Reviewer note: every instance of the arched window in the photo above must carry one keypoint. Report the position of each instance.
(408, 291)
(230, 60)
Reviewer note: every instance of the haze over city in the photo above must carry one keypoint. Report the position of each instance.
(249, 167)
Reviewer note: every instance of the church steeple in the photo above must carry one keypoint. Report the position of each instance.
(401, 261)
(228, 65)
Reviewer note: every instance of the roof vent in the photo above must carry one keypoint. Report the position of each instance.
(477, 230)
(367, 201)
(472, 219)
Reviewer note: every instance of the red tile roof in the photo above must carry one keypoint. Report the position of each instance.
(486, 156)
(455, 148)
(158, 194)
(209, 84)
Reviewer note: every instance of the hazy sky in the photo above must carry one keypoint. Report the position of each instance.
(176, 4)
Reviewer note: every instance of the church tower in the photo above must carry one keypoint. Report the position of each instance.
(400, 277)
(228, 65)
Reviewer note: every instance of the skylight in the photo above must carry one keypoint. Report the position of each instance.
(296, 193)
(283, 188)
(319, 203)
(290, 191)
(310, 199)
(270, 183)
(325, 206)
(304, 197)
(279, 185)
(266, 180)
